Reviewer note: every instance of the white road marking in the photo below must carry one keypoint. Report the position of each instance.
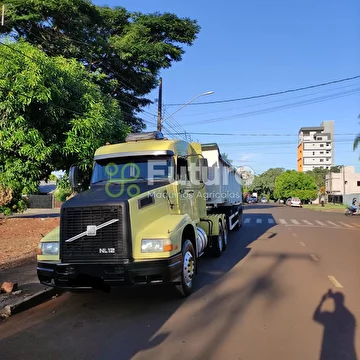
(346, 225)
(358, 225)
(271, 221)
(333, 224)
(301, 243)
(294, 234)
(258, 221)
(295, 222)
(314, 257)
(307, 222)
(246, 221)
(320, 223)
(282, 221)
(334, 281)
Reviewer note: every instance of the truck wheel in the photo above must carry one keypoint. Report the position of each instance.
(239, 224)
(225, 236)
(219, 241)
(188, 269)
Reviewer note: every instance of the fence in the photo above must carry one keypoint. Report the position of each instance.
(349, 198)
(47, 201)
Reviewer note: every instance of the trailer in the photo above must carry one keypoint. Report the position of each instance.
(224, 187)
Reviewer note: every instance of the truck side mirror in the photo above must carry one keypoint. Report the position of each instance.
(73, 176)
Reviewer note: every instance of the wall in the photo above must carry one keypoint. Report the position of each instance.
(334, 182)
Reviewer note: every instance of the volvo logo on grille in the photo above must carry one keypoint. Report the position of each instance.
(91, 230)
(107, 251)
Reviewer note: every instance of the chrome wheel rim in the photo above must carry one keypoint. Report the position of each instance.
(220, 238)
(188, 268)
(225, 235)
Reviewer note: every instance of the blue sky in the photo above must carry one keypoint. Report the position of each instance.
(252, 47)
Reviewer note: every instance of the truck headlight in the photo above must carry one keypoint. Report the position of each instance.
(155, 245)
(49, 248)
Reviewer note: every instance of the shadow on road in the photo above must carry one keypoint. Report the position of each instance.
(338, 341)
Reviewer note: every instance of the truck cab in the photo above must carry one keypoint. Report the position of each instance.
(144, 219)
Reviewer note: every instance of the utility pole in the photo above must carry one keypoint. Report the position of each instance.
(3, 15)
(159, 120)
(343, 171)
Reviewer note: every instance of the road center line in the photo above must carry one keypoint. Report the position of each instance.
(294, 234)
(314, 257)
(334, 281)
(301, 243)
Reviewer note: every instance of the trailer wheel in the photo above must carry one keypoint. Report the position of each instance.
(188, 269)
(219, 241)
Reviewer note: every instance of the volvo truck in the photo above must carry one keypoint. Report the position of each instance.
(153, 208)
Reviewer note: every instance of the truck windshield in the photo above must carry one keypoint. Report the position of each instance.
(150, 168)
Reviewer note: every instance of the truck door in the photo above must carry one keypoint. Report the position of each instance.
(186, 192)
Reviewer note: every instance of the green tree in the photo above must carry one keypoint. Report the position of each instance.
(319, 176)
(295, 184)
(265, 182)
(53, 114)
(226, 157)
(130, 48)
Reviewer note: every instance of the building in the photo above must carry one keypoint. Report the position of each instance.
(343, 186)
(316, 147)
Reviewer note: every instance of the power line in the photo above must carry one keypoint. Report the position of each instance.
(246, 134)
(270, 94)
(276, 108)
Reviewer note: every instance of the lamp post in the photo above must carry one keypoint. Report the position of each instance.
(190, 101)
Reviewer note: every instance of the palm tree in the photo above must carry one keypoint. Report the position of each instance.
(356, 142)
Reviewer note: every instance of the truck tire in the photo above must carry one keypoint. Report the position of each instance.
(226, 234)
(218, 246)
(240, 220)
(188, 269)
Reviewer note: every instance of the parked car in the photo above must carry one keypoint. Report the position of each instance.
(252, 200)
(264, 200)
(294, 202)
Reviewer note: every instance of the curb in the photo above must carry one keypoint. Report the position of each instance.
(29, 302)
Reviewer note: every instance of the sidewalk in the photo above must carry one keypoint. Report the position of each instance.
(29, 292)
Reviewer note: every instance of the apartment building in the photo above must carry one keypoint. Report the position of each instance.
(316, 147)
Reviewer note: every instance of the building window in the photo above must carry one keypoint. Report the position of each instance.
(321, 145)
(319, 138)
(327, 144)
(313, 152)
(321, 152)
(321, 160)
(328, 151)
(358, 183)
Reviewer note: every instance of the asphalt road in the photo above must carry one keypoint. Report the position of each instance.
(258, 301)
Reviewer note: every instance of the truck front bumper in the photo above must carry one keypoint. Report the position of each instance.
(86, 276)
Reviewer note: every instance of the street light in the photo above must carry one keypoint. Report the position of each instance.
(203, 94)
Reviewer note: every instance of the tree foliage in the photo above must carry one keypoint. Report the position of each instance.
(295, 184)
(319, 175)
(53, 114)
(226, 157)
(130, 48)
(265, 182)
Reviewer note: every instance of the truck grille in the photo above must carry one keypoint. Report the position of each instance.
(108, 243)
